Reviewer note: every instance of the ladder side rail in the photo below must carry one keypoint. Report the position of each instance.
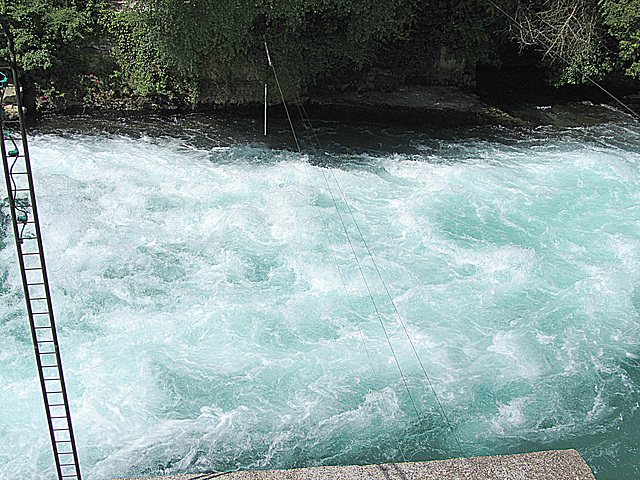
(45, 281)
(25, 284)
(47, 290)
(34, 211)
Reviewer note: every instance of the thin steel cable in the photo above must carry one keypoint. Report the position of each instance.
(404, 380)
(352, 308)
(370, 293)
(309, 128)
(395, 308)
(399, 317)
(366, 283)
(275, 75)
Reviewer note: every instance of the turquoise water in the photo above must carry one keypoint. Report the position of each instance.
(212, 314)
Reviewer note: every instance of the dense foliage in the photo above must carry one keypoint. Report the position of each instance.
(53, 40)
(622, 19)
(213, 50)
(218, 46)
(143, 68)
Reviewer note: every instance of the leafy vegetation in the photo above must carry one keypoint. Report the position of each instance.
(580, 38)
(569, 34)
(143, 68)
(91, 51)
(622, 18)
(216, 45)
(52, 40)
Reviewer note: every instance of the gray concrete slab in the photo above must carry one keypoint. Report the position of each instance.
(549, 465)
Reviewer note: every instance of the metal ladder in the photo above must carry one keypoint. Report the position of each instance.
(28, 239)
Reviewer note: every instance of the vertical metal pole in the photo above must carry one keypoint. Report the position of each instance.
(265, 109)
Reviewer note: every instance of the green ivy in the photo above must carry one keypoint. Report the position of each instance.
(219, 44)
(145, 70)
(52, 40)
(213, 50)
(622, 17)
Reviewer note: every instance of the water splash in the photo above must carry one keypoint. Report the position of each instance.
(204, 324)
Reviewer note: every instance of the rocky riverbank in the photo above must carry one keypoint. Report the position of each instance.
(446, 106)
(435, 106)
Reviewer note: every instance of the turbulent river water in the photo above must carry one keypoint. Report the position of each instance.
(224, 302)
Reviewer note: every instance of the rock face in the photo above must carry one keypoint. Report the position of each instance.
(10, 95)
(438, 105)
(9, 103)
(450, 69)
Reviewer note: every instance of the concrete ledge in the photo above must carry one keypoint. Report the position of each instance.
(549, 465)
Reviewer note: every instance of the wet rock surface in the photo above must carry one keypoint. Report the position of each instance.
(442, 106)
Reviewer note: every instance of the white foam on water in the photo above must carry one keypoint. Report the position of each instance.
(204, 324)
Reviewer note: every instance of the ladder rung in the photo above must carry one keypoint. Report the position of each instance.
(22, 200)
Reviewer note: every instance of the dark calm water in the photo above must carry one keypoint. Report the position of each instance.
(212, 313)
